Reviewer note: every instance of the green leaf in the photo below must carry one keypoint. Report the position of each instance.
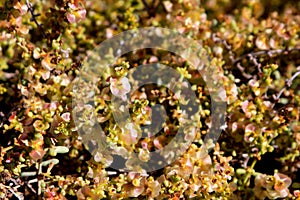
(240, 171)
(25, 174)
(61, 149)
(48, 162)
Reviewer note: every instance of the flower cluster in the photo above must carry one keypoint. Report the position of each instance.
(272, 186)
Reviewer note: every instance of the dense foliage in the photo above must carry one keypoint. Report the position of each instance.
(256, 43)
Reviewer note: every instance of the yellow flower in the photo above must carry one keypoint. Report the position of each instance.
(40, 126)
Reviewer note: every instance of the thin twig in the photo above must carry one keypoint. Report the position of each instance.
(147, 7)
(290, 81)
(265, 52)
(18, 195)
(288, 84)
(253, 57)
(33, 18)
(247, 76)
(30, 186)
(276, 97)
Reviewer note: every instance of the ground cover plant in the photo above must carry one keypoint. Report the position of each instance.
(254, 44)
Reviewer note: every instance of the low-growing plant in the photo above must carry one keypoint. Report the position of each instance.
(254, 44)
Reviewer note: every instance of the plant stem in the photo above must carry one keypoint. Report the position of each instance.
(249, 174)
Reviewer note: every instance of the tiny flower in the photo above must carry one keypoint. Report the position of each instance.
(66, 117)
(144, 155)
(187, 165)
(248, 108)
(20, 27)
(184, 72)
(104, 158)
(144, 145)
(41, 89)
(46, 63)
(190, 133)
(245, 105)
(272, 187)
(222, 94)
(218, 50)
(120, 87)
(154, 188)
(297, 193)
(260, 180)
(98, 157)
(133, 191)
(253, 83)
(36, 53)
(234, 126)
(268, 104)
(153, 59)
(65, 52)
(22, 8)
(65, 81)
(249, 133)
(53, 106)
(231, 93)
(168, 6)
(261, 42)
(109, 33)
(76, 13)
(130, 134)
(12, 117)
(40, 126)
(45, 74)
(71, 18)
(282, 182)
